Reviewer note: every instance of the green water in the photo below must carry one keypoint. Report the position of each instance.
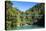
(26, 27)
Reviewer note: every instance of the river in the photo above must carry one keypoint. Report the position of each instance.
(26, 27)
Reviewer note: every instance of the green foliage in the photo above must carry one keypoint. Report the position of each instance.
(13, 14)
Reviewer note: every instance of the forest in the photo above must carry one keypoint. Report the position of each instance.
(33, 16)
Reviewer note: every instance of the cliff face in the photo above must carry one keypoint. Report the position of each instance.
(40, 22)
(36, 11)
